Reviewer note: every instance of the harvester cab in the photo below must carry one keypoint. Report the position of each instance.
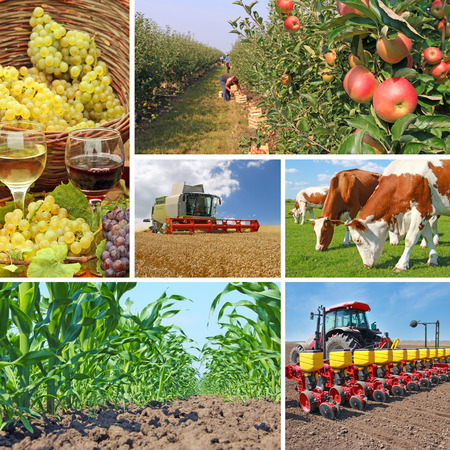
(345, 326)
(189, 208)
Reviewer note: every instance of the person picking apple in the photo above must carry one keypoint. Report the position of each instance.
(226, 81)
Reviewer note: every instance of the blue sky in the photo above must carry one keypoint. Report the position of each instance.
(393, 305)
(205, 19)
(301, 174)
(250, 189)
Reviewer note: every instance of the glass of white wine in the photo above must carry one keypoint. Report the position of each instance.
(23, 154)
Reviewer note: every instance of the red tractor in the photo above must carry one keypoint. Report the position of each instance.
(345, 326)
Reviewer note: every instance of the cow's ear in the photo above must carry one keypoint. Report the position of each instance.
(312, 222)
(291, 213)
(335, 223)
(357, 225)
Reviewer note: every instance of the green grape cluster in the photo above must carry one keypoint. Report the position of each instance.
(45, 224)
(68, 86)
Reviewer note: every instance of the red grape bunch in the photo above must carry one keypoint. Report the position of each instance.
(116, 230)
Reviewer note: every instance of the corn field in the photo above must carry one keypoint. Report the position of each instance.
(77, 347)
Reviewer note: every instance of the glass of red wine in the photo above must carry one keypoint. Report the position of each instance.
(94, 161)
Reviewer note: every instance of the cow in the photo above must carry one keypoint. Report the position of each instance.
(349, 191)
(401, 228)
(306, 200)
(421, 187)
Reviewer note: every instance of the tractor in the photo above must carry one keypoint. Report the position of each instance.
(345, 326)
(189, 209)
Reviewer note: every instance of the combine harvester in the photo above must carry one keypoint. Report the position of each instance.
(360, 364)
(189, 209)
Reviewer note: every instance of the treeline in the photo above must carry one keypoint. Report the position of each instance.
(166, 56)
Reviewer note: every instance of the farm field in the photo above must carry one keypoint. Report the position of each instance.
(175, 425)
(209, 254)
(81, 369)
(418, 421)
(302, 260)
(196, 122)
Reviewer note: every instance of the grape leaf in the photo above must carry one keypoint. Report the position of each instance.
(69, 197)
(98, 254)
(49, 263)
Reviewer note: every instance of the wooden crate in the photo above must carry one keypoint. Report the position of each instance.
(220, 94)
(240, 98)
(256, 120)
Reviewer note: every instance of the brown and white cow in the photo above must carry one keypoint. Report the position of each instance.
(349, 191)
(306, 200)
(402, 226)
(417, 186)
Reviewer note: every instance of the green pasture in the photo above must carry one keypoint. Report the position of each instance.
(302, 260)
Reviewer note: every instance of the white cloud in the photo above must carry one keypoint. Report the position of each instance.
(371, 166)
(292, 170)
(325, 177)
(256, 163)
(154, 178)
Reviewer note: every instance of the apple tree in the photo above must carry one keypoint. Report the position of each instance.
(398, 100)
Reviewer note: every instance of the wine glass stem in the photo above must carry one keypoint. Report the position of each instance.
(19, 197)
(96, 206)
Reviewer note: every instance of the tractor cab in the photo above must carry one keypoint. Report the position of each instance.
(350, 314)
(199, 205)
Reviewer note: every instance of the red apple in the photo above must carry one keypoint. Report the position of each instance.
(369, 140)
(360, 84)
(443, 23)
(327, 78)
(344, 9)
(439, 70)
(432, 55)
(292, 24)
(447, 61)
(394, 98)
(330, 57)
(285, 6)
(394, 50)
(286, 79)
(437, 9)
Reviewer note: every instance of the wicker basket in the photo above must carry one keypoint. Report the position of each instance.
(109, 21)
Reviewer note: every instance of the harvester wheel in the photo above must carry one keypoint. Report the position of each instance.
(412, 386)
(328, 411)
(379, 396)
(356, 403)
(434, 379)
(341, 341)
(398, 390)
(425, 382)
(338, 395)
(361, 388)
(295, 353)
(307, 401)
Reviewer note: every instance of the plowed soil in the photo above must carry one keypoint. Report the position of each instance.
(209, 255)
(421, 420)
(201, 422)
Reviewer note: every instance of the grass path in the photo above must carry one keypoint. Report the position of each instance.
(199, 122)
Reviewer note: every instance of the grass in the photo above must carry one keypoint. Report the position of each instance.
(199, 122)
(302, 260)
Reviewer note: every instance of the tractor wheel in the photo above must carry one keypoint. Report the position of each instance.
(398, 390)
(338, 395)
(443, 377)
(341, 341)
(307, 401)
(361, 388)
(357, 403)
(295, 352)
(379, 396)
(434, 379)
(412, 386)
(328, 411)
(425, 382)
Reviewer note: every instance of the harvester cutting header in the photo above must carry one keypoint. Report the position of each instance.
(190, 209)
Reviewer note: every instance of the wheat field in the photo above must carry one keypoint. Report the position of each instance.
(209, 255)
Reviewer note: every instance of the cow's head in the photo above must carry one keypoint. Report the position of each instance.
(369, 238)
(324, 229)
(295, 213)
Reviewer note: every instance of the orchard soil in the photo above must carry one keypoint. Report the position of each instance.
(200, 422)
(205, 255)
(418, 421)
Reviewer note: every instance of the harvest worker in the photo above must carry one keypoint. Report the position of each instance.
(228, 63)
(226, 81)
